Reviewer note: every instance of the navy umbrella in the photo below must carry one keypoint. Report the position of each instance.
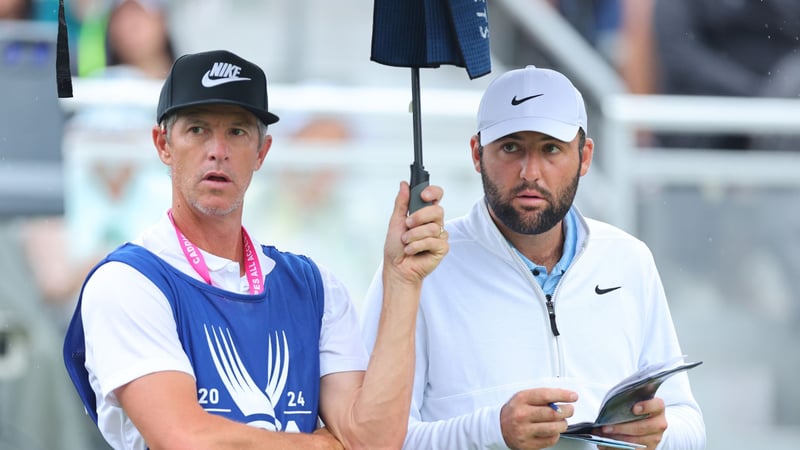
(429, 33)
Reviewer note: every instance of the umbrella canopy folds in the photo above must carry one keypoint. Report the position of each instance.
(429, 33)
(426, 34)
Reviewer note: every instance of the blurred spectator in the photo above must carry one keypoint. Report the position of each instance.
(727, 48)
(126, 35)
(635, 52)
(621, 32)
(16, 9)
(138, 37)
(598, 21)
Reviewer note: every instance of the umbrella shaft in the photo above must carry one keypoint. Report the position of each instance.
(417, 113)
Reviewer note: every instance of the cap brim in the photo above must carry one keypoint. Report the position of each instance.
(559, 130)
(265, 116)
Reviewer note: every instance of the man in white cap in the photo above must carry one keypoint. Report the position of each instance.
(537, 311)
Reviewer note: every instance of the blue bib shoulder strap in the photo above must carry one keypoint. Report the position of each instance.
(74, 351)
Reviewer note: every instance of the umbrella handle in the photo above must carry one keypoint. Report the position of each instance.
(419, 181)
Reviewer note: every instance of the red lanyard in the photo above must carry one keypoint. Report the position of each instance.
(198, 263)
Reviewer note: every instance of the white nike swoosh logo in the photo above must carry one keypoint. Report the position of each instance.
(209, 82)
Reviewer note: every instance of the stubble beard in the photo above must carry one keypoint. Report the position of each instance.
(216, 211)
(197, 203)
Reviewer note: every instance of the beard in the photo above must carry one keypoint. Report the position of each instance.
(216, 211)
(199, 201)
(527, 221)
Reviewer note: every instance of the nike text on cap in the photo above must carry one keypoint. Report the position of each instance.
(212, 78)
(531, 99)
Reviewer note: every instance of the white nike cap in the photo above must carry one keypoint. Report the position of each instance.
(531, 99)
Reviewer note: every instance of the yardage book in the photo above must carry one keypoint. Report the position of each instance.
(618, 403)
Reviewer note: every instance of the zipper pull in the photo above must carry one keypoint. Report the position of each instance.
(551, 311)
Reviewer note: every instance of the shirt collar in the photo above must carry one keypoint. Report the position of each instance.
(161, 240)
(549, 280)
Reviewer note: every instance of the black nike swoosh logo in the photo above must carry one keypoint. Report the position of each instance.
(516, 102)
(599, 291)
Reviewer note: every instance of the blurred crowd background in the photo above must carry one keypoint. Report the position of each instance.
(693, 105)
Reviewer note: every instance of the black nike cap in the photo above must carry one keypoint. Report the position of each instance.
(215, 77)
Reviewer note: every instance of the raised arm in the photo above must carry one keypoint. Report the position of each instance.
(370, 410)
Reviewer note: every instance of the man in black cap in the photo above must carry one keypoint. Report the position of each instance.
(194, 329)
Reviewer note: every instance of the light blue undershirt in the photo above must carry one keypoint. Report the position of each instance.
(548, 281)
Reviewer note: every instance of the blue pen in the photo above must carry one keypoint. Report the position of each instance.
(555, 407)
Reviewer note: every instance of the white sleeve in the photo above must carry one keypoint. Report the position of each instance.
(479, 429)
(371, 310)
(685, 429)
(129, 328)
(341, 348)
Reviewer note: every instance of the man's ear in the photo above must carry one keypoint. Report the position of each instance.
(587, 155)
(477, 149)
(160, 142)
(262, 152)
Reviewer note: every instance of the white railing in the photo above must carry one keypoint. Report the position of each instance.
(448, 119)
(628, 165)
